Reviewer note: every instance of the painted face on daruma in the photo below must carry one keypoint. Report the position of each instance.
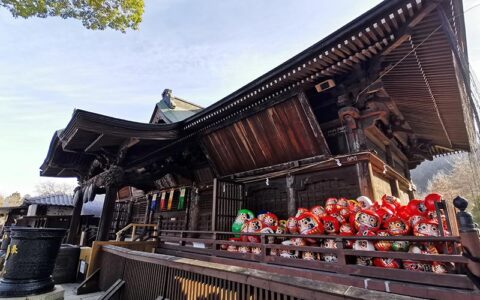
(331, 205)
(270, 219)
(319, 211)
(346, 229)
(330, 243)
(330, 224)
(243, 217)
(280, 230)
(366, 220)
(254, 225)
(342, 202)
(425, 228)
(397, 227)
(292, 225)
(309, 224)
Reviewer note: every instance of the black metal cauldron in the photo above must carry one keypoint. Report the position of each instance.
(66, 264)
(30, 260)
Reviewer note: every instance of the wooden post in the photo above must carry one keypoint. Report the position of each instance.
(107, 213)
(469, 236)
(194, 210)
(291, 205)
(365, 180)
(76, 216)
(214, 204)
(354, 132)
(146, 219)
(411, 194)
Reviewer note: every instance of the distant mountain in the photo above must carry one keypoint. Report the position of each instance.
(426, 170)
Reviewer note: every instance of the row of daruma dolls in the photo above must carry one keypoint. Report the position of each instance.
(345, 217)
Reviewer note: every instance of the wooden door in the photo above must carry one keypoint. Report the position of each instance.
(228, 198)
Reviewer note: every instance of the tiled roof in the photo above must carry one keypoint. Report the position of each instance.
(58, 199)
(93, 208)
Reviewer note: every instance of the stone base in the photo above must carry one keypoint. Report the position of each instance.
(56, 294)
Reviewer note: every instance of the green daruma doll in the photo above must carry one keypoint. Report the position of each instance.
(243, 216)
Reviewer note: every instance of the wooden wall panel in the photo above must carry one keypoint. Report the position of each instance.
(381, 186)
(272, 198)
(285, 132)
(315, 188)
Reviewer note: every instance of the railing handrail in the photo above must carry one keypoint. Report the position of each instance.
(134, 226)
(336, 237)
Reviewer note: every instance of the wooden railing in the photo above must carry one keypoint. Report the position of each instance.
(155, 276)
(213, 244)
(94, 263)
(134, 227)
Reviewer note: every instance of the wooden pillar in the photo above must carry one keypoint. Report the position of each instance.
(107, 212)
(146, 219)
(291, 205)
(76, 216)
(194, 210)
(365, 179)
(394, 185)
(214, 204)
(411, 194)
(354, 132)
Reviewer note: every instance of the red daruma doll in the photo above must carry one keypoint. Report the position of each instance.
(347, 230)
(319, 211)
(330, 225)
(252, 226)
(292, 225)
(431, 199)
(367, 220)
(391, 200)
(331, 205)
(309, 224)
(270, 219)
(364, 245)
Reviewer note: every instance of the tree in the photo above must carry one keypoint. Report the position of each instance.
(94, 14)
(461, 180)
(45, 188)
(15, 199)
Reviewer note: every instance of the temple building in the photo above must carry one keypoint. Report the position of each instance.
(349, 116)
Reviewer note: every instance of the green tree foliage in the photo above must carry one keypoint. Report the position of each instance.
(94, 14)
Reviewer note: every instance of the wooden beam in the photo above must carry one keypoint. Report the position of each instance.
(95, 142)
(405, 32)
(312, 121)
(279, 167)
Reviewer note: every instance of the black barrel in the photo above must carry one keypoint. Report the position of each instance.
(30, 260)
(66, 264)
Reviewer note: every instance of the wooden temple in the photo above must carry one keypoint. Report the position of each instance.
(349, 116)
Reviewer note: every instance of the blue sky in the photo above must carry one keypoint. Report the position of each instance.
(203, 50)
